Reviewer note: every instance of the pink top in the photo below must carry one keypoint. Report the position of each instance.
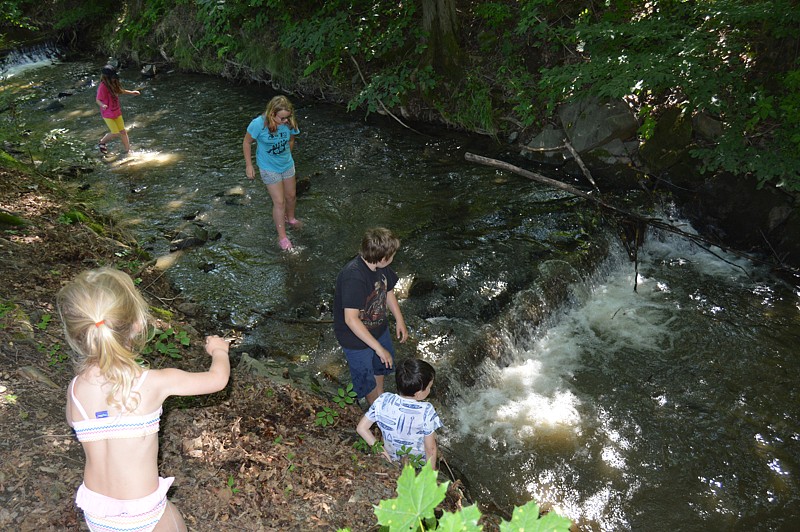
(111, 100)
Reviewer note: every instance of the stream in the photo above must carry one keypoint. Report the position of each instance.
(670, 407)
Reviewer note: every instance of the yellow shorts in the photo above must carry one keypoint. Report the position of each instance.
(115, 124)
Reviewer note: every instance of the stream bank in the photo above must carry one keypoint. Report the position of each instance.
(247, 458)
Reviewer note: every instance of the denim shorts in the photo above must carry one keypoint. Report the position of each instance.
(271, 178)
(365, 364)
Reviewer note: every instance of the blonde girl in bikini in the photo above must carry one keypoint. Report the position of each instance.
(115, 405)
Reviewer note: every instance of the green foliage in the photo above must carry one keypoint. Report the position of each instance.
(75, 15)
(130, 263)
(345, 396)
(72, 217)
(11, 15)
(688, 54)
(231, 484)
(166, 343)
(418, 495)
(527, 518)
(326, 417)
(494, 13)
(364, 447)
(56, 355)
(5, 308)
(44, 322)
(407, 457)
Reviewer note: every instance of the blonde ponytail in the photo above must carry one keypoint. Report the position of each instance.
(105, 323)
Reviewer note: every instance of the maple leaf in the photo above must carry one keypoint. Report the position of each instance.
(417, 496)
(527, 518)
(465, 520)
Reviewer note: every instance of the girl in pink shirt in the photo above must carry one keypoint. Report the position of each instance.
(108, 92)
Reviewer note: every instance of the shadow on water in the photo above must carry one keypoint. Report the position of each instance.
(673, 407)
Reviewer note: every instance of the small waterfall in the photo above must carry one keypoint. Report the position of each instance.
(17, 61)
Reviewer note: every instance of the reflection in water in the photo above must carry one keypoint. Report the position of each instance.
(670, 408)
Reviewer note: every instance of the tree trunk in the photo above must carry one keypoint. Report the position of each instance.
(440, 22)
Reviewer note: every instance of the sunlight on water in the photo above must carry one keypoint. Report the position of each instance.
(17, 69)
(140, 159)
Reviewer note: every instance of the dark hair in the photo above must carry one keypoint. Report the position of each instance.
(110, 71)
(378, 244)
(413, 375)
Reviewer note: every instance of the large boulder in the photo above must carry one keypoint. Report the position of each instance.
(589, 123)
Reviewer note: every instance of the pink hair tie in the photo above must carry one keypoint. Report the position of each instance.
(99, 323)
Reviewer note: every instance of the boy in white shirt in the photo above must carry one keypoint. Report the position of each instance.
(404, 419)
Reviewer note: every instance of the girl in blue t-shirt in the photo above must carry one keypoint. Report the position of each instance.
(274, 132)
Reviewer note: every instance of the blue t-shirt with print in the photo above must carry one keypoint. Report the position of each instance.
(273, 153)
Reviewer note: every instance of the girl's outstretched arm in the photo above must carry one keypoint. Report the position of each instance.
(171, 381)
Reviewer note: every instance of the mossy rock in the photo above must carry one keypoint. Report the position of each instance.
(162, 314)
(7, 218)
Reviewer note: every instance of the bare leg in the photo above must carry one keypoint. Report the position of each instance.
(278, 208)
(171, 521)
(126, 143)
(290, 194)
(376, 391)
(108, 137)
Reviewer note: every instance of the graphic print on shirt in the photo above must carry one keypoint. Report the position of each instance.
(281, 142)
(374, 313)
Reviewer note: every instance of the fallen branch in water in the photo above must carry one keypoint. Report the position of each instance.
(700, 241)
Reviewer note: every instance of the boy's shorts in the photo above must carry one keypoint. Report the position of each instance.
(115, 125)
(365, 364)
(270, 178)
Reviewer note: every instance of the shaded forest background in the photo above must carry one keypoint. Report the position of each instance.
(498, 68)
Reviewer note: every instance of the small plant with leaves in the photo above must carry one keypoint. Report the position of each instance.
(345, 396)
(327, 417)
(232, 485)
(292, 466)
(166, 343)
(361, 445)
(56, 355)
(406, 456)
(44, 322)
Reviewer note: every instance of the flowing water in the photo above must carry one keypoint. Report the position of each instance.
(671, 407)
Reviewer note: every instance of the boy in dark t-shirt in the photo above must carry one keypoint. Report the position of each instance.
(364, 290)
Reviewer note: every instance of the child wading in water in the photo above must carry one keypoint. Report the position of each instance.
(274, 133)
(364, 292)
(404, 418)
(114, 404)
(108, 92)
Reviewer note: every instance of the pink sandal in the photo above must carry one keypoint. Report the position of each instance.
(294, 222)
(285, 244)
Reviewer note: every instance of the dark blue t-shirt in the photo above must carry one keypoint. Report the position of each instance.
(359, 287)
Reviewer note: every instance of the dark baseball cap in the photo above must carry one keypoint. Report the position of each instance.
(110, 71)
